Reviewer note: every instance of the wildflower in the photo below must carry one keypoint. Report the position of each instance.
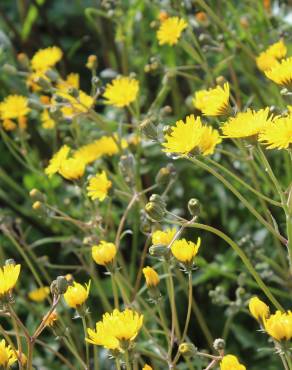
(39, 295)
(230, 362)
(14, 107)
(170, 30)
(99, 186)
(57, 160)
(165, 237)
(213, 102)
(46, 58)
(72, 168)
(278, 135)
(151, 276)
(7, 355)
(121, 91)
(187, 137)
(281, 74)
(8, 278)
(270, 57)
(52, 318)
(76, 294)
(104, 253)
(47, 121)
(185, 251)
(72, 80)
(76, 105)
(247, 124)
(147, 367)
(116, 329)
(279, 325)
(258, 309)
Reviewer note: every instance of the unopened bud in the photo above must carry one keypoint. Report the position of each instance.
(219, 344)
(10, 261)
(188, 349)
(37, 195)
(165, 174)
(23, 60)
(158, 251)
(220, 80)
(43, 83)
(194, 207)
(37, 205)
(35, 104)
(167, 130)
(9, 69)
(156, 198)
(149, 129)
(73, 92)
(91, 62)
(52, 75)
(154, 211)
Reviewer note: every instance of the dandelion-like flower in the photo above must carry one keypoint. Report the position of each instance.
(47, 121)
(8, 278)
(281, 73)
(72, 168)
(99, 186)
(230, 362)
(278, 135)
(279, 325)
(57, 160)
(121, 92)
(76, 105)
(7, 355)
(40, 294)
(185, 251)
(191, 136)
(116, 330)
(46, 58)
(51, 319)
(247, 124)
(147, 367)
(151, 277)
(163, 237)
(213, 102)
(258, 309)
(72, 80)
(14, 107)
(170, 30)
(270, 57)
(76, 294)
(104, 253)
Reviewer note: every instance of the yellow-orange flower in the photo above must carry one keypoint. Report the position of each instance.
(47, 121)
(270, 57)
(52, 318)
(40, 294)
(46, 58)
(281, 74)
(185, 251)
(163, 237)
(258, 308)
(278, 135)
(121, 92)
(99, 186)
(104, 253)
(279, 325)
(170, 30)
(213, 102)
(57, 160)
(14, 107)
(72, 168)
(7, 355)
(151, 276)
(147, 367)
(8, 278)
(76, 294)
(230, 362)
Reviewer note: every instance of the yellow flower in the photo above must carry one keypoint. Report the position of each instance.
(151, 276)
(7, 355)
(278, 134)
(57, 160)
(185, 251)
(247, 124)
(91, 62)
(14, 107)
(72, 168)
(104, 253)
(190, 136)
(44, 59)
(74, 106)
(230, 362)
(77, 294)
(147, 367)
(108, 145)
(269, 58)
(8, 278)
(213, 102)
(165, 237)
(279, 325)
(52, 318)
(47, 121)
(121, 91)
(281, 74)
(116, 329)
(40, 294)
(258, 308)
(72, 80)
(170, 30)
(9, 125)
(99, 186)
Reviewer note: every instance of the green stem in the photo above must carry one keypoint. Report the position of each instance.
(115, 291)
(127, 361)
(86, 343)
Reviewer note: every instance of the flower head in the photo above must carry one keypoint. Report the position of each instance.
(258, 308)
(281, 73)
(160, 237)
(185, 251)
(8, 278)
(76, 294)
(57, 160)
(52, 318)
(147, 367)
(192, 135)
(116, 329)
(121, 91)
(104, 253)
(72, 168)
(279, 325)
(278, 135)
(47, 121)
(72, 80)
(247, 124)
(14, 107)
(46, 58)
(151, 276)
(99, 186)
(230, 362)
(40, 294)
(7, 355)
(74, 106)
(270, 57)
(170, 30)
(213, 102)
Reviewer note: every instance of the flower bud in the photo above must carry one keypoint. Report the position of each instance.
(149, 129)
(151, 277)
(43, 83)
(91, 62)
(156, 198)
(155, 211)
(34, 104)
(167, 130)
(37, 206)
(62, 284)
(37, 195)
(258, 309)
(188, 349)
(23, 61)
(55, 113)
(194, 207)
(219, 344)
(73, 92)
(165, 174)
(9, 69)
(52, 75)
(10, 261)
(158, 251)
